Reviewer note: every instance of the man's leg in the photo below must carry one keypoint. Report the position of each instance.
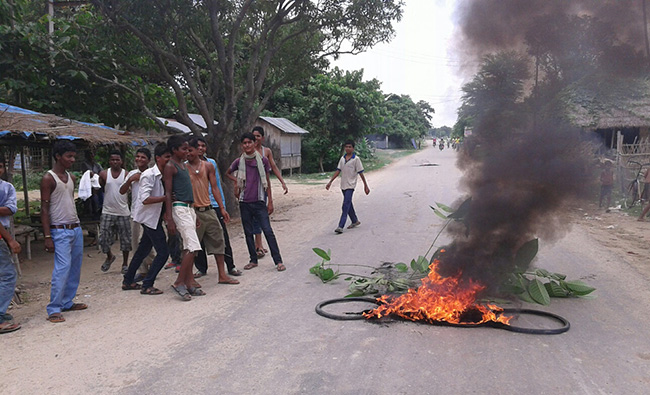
(76, 247)
(106, 237)
(159, 241)
(345, 209)
(61, 271)
(247, 213)
(228, 256)
(140, 253)
(124, 229)
(7, 278)
(263, 218)
(136, 236)
(201, 261)
(257, 232)
(351, 213)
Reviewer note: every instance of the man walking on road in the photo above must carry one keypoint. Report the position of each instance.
(62, 231)
(115, 212)
(349, 166)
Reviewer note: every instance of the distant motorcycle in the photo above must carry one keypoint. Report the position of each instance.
(441, 146)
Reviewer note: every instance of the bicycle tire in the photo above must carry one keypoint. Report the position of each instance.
(632, 195)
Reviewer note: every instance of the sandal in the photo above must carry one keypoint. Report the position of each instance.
(7, 327)
(260, 253)
(107, 263)
(55, 318)
(196, 291)
(199, 274)
(181, 290)
(131, 287)
(235, 272)
(250, 266)
(280, 267)
(77, 307)
(150, 291)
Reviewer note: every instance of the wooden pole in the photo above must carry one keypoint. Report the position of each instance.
(23, 171)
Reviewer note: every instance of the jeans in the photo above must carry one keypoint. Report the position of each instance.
(7, 278)
(150, 238)
(68, 252)
(258, 210)
(348, 208)
(201, 260)
(174, 246)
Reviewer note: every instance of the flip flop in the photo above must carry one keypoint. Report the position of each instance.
(235, 272)
(55, 318)
(280, 267)
(77, 307)
(181, 290)
(250, 266)
(230, 281)
(260, 253)
(199, 274)
(7, 327)
(196, 291)
(131, 287)
(151, 291)
(107, 264)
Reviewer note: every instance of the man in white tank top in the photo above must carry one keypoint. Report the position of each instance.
(62, 231)
(115, 212)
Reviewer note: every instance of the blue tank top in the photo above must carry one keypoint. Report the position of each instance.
(182, 185)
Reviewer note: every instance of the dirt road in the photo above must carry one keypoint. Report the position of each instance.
(262, 336)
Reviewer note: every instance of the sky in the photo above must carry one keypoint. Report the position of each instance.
(420, 60)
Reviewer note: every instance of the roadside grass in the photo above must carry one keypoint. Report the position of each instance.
(381, 159)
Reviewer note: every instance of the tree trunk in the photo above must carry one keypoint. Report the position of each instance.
(320, 163)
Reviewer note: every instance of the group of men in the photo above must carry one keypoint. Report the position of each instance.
(179, 197)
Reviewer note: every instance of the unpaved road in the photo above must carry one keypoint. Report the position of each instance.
(263, 336)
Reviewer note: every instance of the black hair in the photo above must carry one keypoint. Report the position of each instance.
(258, 129)
(145, 151)
(116, 152)
(247, 135)
(350, 142)
(160, 150)
(175, 142)
(60, 147)
(194, 142)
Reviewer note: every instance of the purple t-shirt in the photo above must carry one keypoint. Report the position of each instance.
(253, 191)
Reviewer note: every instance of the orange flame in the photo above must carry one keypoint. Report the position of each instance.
(440, 299)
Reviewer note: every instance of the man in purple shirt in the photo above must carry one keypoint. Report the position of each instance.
(251, 184)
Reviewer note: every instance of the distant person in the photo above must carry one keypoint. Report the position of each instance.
(645, 195)
(8, 247)
(266, 152)
(93, 205)
(606, 184)
(62, 231)
(179, 214)
(116, 216)
(132, 184)
(349, 166)
(252, 187)
(147, 210)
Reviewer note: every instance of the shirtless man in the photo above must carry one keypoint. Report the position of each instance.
(258, 132)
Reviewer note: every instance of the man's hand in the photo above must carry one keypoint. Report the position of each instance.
(237, 192)
(135, 177)
(366, 189)
(329, 184)
(171, 226)
(286, 190)
(15, 246)
(49, 244)
(269, 207)
(226, 217)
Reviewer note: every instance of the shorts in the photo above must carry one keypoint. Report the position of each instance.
(108, 225)
(185, 220)
(210, 232)
(606, 190)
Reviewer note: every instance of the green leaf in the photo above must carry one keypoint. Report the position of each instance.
(555, 290)
(538, 292)
(542, 273)
(578, 287)
(321, 253)
(445, 208)
(316, 269)
(462, 211)
(355, 293)
(414, 265)
(526, 253)
(423, 264)
(525, 296)
(558, 276)
(401, 267)
(328, 275)
(438, 213)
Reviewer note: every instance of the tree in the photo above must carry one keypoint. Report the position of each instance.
(226, 59)
(405, 120)
(334, 107)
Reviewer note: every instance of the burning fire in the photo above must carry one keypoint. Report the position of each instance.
(440, 299)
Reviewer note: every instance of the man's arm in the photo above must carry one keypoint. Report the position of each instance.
(336, 174)
(144, 193)
(276, 171)
(102, 178)
(14, 246)
(212, 177)
(168, 175)
(366, 189)
(124, 188)
(10, 206)
(233, 178)
(47, 186)
(269, 195)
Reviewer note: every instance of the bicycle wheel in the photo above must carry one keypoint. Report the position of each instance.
(632, 195)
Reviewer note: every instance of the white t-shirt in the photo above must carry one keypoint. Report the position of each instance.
(135, 186)
(114, 202)
(349, 170)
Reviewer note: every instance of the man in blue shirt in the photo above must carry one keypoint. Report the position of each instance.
(7, 270)
(201, 261)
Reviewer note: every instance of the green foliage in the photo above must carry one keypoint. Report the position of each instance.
(539, 286)
(404, 119)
